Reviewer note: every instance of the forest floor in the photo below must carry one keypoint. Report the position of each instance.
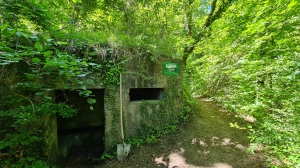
(206, 141)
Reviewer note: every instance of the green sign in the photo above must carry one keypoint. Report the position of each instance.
(171, 68)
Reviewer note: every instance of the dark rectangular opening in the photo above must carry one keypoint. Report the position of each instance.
(137, 94)
(86, 120)
(86, 130)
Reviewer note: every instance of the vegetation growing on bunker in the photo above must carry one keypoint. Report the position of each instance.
(243, 54)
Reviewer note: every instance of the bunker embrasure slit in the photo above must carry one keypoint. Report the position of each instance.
(137, 94)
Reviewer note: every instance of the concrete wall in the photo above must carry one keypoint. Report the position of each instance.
(139, 72)
(153, 71)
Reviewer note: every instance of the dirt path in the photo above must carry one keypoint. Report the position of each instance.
(206, 141)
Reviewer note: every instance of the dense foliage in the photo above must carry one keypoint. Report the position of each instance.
(50, 45)
(37, 57)
(244, 53)
(251, 63)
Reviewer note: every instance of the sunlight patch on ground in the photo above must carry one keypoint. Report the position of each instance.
(176, 159)
(202, 143)
(240, 146)
(207, 100)
(226, 141)
(213, 139)
(221, 165)
(160, 161)
(203, 153)
(194, 141)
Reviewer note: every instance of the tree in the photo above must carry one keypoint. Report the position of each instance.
(250, 63)
(216, 9)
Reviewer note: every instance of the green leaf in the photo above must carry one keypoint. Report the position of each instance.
(49, 40)
(91, 101)
(81, 75)
(62, 43)
(91, 107)
(92, 64)
(61, 72)
(36, 60)
(293, 3)
(38, 46)
(48, 97)
(90, 81)
(39, 93)
(2, 44)
(73, 63)
(48, 53)
(3, 26)
(19, 34)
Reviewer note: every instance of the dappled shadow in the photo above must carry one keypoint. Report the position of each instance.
(177, 159)
(205, 141)
(209, 141)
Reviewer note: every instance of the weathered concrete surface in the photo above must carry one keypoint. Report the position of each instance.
(112, 124)
(141, 72)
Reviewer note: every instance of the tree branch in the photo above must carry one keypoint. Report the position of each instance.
(209, 19)
(214, 14)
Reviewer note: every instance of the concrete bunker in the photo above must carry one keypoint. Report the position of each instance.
(85, 129)
(143, 79)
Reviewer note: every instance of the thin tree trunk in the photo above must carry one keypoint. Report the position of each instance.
(215, 13)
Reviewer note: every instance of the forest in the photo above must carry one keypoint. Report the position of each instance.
(243, 54)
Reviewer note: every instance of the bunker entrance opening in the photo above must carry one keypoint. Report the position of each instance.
(137, 94)
(86, 128)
